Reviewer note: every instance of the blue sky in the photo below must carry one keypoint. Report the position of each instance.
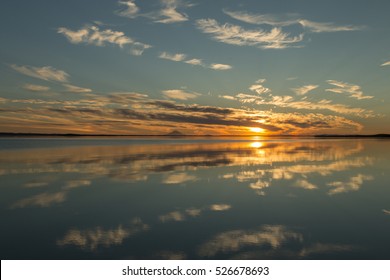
(203, 67)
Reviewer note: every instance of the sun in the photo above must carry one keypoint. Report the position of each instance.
(256, 129)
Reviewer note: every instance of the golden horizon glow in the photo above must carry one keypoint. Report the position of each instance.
(257, 129)
(256, 144)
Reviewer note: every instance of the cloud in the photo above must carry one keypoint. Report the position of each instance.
(304, 184)
(76, 183)
(259, 88)
(180, 216)
(353, 184)
(92, 35)
(75, 89)
(180, 94)
(218, 66)
(194, 61)
(178, 178)
(119, 113)
(289, 102)
(138, 48)
(270, 19)
(46, 73)
(229, 97)
(175, 216)
(181, 57)
(173, 57)
(130, 9)
(354, 91)
(193, 212)
(304, 89)
(259, 185)
(236, 35)
(35, 88)
(35, 184)
(289, 19)
(169, 12)
(387, 63)
(220, 207)
(41, 200)
(318, 27)
(274, 236)
(92, 239)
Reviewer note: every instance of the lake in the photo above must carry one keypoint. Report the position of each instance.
(199, 198)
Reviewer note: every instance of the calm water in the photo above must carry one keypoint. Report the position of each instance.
(195, 199)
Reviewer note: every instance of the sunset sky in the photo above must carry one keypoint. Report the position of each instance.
(199, 67)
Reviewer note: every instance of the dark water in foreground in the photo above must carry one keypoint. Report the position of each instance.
(194, 199)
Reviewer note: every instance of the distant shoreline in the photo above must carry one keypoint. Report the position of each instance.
(32, 135)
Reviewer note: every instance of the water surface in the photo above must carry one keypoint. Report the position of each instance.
(194, 198)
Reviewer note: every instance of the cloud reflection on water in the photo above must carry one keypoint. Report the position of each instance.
(326, 167)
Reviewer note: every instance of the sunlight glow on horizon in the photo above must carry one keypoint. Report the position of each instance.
(257, 129)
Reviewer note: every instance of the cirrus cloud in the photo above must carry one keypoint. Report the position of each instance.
(180, 94)
(181, 57)
(236, 35)
(304, 89)
(354, 91)
(92, 35)
(76, 89)
(35, 88)
(290, 19)
(46, 73)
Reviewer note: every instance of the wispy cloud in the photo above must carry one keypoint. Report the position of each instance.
(387, 63)
(46, 73)
(304, 89)
(170, 14)
(175, 216)
(319, 27)
(259, 88)
(236, 35)
(304, 184)
(270, 19)
(91, 34)
(173, 57)
(274, 236)
(130, 9)
(218, 66)
(290, 19)
(180, 94)
(41, 200)
(181, 57)
(138, 48)
(354, 91)
(178, 178)
(76, 89)
(220, 207)
(92, 239)
(194, 61)
(353, 184)
(287, 101)
(35, 88)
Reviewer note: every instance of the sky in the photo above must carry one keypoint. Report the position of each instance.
(199, 67)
